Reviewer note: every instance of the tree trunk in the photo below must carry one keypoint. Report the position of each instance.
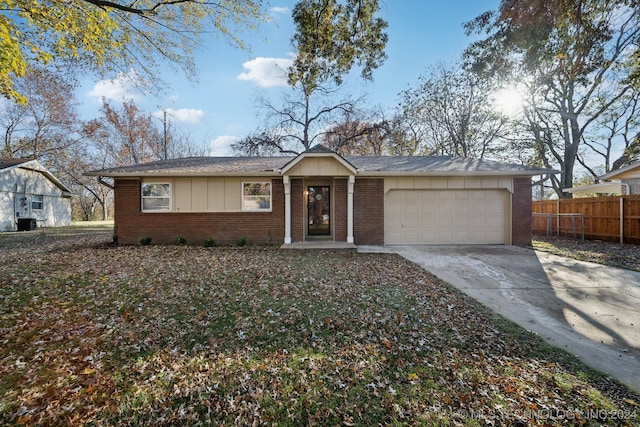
(105, 212)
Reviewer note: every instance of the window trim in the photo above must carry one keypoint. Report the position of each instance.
(143, 197)
(41, 202)
(246, 209)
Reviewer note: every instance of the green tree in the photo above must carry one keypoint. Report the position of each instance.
(577, 59)
(331, 39)
(113, 36)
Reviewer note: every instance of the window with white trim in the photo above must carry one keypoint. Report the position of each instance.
(256, 196)
(156, 196)
(37, 201)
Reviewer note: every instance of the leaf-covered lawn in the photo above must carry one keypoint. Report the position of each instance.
(167, 335)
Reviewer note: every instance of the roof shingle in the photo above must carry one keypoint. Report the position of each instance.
(366, 165)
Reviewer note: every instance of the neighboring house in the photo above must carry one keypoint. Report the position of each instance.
(629, 177)
(623, 181)
(320, 195)
(31, 196)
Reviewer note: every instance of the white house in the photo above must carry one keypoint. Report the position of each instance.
(623, 181)
(629, 177)
(31, 196)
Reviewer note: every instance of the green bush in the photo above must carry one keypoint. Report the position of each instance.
(241, 241)
(180, 241)
(145, 241)
(209, 243)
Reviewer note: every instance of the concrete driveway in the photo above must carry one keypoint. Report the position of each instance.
(591, 310)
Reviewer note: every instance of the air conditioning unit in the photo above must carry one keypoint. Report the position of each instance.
(27, 224)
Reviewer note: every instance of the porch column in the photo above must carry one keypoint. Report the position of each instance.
(287, 209)
(352, 181)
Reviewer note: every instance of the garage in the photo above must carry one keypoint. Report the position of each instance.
(433, 217)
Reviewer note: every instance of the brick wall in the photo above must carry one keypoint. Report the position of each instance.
(521, 212)
(368, 211)
(340, 210)
(224, 227)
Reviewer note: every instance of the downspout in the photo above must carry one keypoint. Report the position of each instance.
(621, 219)
(626, 187)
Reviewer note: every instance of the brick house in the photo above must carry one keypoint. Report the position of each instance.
(320, 195)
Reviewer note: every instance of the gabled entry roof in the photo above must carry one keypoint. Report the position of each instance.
(319, 151)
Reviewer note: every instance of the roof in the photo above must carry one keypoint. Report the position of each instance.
(7, 164)
(365, 166)
(438, 165)
(629, 171)
(614, 187)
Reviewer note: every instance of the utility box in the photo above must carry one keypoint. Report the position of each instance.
(27, 224)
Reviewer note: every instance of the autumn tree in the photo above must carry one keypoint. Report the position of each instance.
(578, 60)
(46, 125)
(364, 135)
(331, 38)
(110, 36)
(451, 112)
(125, 135)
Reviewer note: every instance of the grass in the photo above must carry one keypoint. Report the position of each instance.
(99, 334)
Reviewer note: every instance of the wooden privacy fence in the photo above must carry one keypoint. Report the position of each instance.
(614, 218)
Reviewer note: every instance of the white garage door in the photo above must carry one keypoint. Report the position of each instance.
(445, 217)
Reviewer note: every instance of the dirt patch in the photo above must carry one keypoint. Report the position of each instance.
(614, 254)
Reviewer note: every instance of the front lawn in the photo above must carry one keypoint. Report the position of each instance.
(174, 335)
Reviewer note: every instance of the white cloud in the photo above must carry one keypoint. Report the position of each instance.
(281, 10)
(128, 85)
(187, 115)
(221, 146)
(266, 72)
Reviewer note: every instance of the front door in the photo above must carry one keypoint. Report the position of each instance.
(319, 210)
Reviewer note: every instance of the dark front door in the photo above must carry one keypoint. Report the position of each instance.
(319, 210)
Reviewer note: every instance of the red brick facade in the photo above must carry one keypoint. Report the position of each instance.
(340, 210)
(368, 211)
(131, 224)
(224, 227)
(521, 212)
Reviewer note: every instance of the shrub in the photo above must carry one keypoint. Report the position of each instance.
(180, 241)
(241, 241)
(145, 241)
(209, 242)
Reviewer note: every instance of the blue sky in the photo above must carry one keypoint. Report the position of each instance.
(221, 106)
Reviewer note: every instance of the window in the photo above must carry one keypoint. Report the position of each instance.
(156, 197)
(37, 202)
(256, 196)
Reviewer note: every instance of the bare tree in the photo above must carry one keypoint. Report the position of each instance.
(296, 125)
(450, 112)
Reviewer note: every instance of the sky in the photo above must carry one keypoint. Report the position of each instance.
(220, 107)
